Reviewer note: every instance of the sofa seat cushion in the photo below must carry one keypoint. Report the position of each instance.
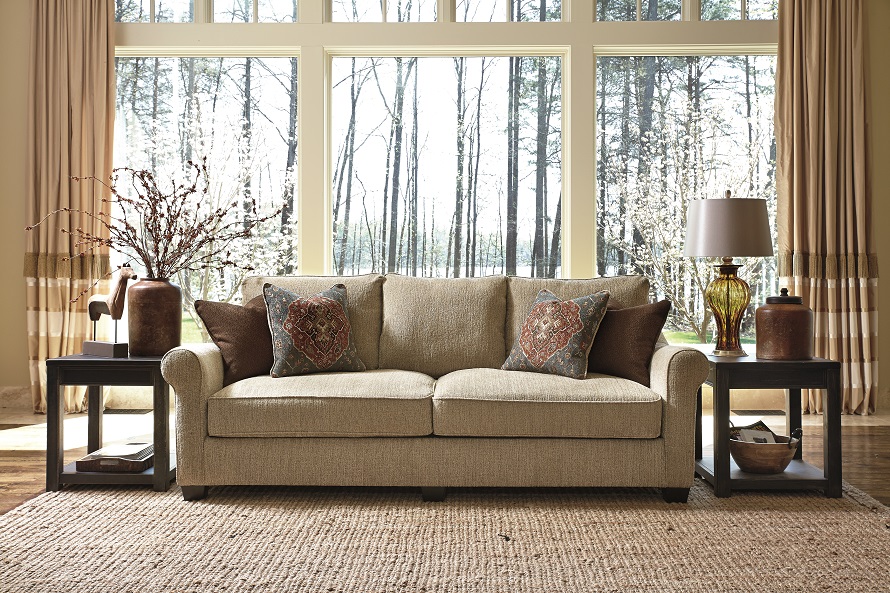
(496, 403)
(369, 403)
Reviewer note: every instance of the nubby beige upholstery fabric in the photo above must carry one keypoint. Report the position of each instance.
(443, 414)
(439, 325)
(496, 403)
(373, 403)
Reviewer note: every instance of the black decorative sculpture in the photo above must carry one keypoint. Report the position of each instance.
(111, 304)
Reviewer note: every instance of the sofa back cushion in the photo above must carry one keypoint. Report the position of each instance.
(364, 304)
(630, 291)
(439, 325)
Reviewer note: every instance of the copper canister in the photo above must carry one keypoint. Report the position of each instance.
(784, 328)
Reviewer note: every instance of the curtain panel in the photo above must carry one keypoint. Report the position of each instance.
(70, 132)
(826, 243)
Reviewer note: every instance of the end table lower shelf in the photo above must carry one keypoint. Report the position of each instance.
(70, 475)
(798, 475)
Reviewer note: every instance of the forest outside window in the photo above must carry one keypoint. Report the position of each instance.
(241, 115)
(671, 129)
(671, 10)
(156, 11)
(447, 167)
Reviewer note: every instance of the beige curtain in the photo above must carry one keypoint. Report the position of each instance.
(70, 125)
(826, 244)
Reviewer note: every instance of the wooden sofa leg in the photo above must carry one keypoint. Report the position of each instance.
(432, 493)
(675, 494)
(193, 492)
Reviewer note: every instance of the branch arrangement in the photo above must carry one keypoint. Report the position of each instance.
(167, 231)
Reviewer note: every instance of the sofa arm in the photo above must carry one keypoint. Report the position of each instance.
(195, 371)
(676, 373)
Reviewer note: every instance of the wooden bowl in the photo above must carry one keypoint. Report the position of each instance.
(764, 458)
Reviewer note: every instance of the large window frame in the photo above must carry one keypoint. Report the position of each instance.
(578, 39)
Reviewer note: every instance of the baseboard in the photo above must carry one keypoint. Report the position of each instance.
(18, 397)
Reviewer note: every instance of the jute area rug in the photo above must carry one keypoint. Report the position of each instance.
(118, 539)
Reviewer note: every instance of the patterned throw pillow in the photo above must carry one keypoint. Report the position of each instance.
(557, 335)
(310, 334)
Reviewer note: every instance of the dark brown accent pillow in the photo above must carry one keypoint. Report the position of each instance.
(242, 336)
(626, 339)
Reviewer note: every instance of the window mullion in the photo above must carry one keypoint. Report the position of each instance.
(691, 10)
(314, 12)
(446, 11)
(578, 11)
(314, 228)
(579, 164)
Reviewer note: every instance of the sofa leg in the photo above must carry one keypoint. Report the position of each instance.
(675, 494)
(193, 492)
(432, 493)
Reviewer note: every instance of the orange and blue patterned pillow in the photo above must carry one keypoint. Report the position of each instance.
(310, 334)
(557, 335)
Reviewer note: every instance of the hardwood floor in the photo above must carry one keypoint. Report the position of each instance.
(865, 446)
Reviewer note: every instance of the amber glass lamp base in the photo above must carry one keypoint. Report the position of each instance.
(728, 297)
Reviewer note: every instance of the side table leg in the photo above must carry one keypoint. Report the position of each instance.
(722, 487)
(792, 419)
(55, 453)
(698, 446)
(94, 418)
(162, 433)
(831, 428)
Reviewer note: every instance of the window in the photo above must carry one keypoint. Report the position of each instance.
(732, 9)
(649, 10)
(568, 210)
(671, 129)
(447, 166)
(238, 113)
(159, 11)
(253, 11)
(396, 11)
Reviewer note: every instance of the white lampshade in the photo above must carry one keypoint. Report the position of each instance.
(727, 227)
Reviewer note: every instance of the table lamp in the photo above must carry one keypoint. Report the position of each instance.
(727, 228)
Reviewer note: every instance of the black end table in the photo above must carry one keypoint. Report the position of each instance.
(95, 372)
(747, 372)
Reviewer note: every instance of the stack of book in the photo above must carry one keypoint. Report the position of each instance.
(128, 457)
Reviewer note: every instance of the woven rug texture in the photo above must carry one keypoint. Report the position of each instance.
(372, 540)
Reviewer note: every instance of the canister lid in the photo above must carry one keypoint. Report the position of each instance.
(785, 299)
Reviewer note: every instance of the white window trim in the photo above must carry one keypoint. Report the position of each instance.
(577, 39)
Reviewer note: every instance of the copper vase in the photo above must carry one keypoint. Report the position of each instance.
(785, 328)
(154, 311)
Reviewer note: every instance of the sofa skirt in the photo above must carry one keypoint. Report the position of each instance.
(432, 461)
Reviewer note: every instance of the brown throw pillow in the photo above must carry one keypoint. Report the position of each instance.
(242, 336)
(556, 335)
(626, 339)
(310, 334)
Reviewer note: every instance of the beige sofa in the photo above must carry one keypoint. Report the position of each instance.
(433, 409)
